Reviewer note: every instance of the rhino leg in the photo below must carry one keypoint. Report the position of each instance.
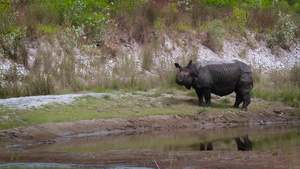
(246, 101)
(207, 96)
(200, 97)
(238, 100)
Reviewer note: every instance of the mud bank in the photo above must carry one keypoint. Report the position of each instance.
(52, 132)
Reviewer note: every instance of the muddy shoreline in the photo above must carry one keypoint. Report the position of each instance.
(52, 132)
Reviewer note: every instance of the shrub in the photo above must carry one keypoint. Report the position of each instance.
(147, 56)
(199, 13)
(40, 83)
(7, 22)
(36, 14)
(284, 32)
(171, 15)
(9, 85)
(143, 18)
(12, 45)
(215, 36)
(5, 5)
(294, 75)
(239, 17)
(71, 38)
(261, 20)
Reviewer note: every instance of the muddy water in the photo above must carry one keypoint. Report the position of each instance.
(268, 138)
(262, 138)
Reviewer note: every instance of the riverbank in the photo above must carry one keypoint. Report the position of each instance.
(43, 119)
(138, 112)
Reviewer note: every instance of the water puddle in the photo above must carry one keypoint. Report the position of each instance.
(254, 138)
(267, 138)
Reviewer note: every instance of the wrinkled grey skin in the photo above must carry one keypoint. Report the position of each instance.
(220, 78)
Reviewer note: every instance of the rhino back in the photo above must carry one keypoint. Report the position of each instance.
(221, 77)
(244, 67)
(225, 71)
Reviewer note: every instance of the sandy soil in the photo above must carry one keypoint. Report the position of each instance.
(52, 132)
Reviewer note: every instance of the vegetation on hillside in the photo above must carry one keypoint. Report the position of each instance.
(90, 26)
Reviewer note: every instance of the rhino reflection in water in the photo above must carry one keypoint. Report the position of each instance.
(209, 146)
(245, 145)
(220, 78)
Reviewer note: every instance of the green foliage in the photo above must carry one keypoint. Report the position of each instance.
(284, 32)
(48, 30)
(258, 5)
(173, 8)
(239, 17)
(99, 89)
(75, 12)
(94, 15)
(127, 5)
(219, 3)
(12, 45)
(7, 22)
(296, 8)
(253, 4)
(71, 37)
(5, 5)
(171, 15)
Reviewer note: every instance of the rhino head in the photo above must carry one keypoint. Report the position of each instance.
(185, 75)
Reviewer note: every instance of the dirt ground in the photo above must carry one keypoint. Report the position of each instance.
(52, 132)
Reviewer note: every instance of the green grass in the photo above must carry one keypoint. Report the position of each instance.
(48, 29)
(279, 85)
(290, 96)
(106, 107)
(139, 104)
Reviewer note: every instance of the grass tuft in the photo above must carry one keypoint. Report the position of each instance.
(279, 86)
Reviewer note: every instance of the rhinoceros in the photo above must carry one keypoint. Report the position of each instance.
(221, 78)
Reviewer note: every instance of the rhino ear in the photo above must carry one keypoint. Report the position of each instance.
(190, 63)
(177, 65)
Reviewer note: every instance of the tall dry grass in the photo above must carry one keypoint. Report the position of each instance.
(279, 85)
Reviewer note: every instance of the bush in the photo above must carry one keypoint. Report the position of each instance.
(215, 36)
(284, 32)
(147, 57)
(261, 20)
(143, 18)
(5, 5)
(239, 17)
(12, 45)
(294, 75)
(171, 15)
